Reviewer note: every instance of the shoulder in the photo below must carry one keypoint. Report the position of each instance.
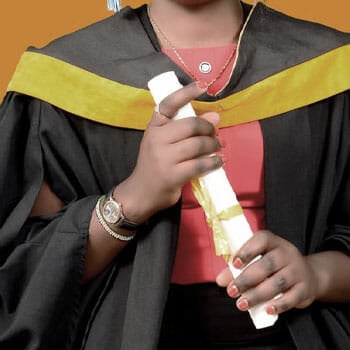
(110, 39)
(273, 43)
(300, 32)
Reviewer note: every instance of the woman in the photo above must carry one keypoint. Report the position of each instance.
(72, 127)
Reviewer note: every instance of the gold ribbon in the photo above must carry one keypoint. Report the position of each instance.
(215, 219)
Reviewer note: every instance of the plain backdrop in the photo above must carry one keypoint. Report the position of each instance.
(36, 22)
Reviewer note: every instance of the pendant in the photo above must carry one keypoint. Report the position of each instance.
(205, 67)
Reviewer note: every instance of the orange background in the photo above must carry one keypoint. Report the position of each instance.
(36, 22)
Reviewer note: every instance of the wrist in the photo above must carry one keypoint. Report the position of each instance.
(106, 214)
(113, 210)
(133, 202)
(321, 273)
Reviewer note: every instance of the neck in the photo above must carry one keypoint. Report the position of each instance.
(198, 23)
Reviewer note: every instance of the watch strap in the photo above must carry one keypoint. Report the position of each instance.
(106, 226)
(123, 223)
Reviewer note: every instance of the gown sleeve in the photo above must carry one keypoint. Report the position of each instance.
(338, 234)
(41, 258)
(333, 319)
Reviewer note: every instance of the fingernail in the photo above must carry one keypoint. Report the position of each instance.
(202, 85)
(242, 304)
(238, 263)
(232, 291)
(219, 144)
(220, 154)
(222, 142)
(271, 310)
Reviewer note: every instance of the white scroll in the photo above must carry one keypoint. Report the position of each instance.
(222, 196)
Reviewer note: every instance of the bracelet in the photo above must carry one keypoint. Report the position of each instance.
(104, 224)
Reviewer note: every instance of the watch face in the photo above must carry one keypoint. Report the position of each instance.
(111, 212)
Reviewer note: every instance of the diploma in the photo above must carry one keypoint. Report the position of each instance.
(215, 194)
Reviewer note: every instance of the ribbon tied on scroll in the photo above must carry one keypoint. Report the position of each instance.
(215, 219)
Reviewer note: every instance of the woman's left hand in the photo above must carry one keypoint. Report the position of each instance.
(281, 269)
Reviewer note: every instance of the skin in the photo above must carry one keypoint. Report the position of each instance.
(177, 148)
(168, 147)
(204, 23)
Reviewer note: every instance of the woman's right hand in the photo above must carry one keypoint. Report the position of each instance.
(172, 152)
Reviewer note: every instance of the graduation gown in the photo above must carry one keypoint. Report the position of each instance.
(74, 114)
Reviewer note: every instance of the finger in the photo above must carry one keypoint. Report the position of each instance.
(182, 129)
(194, 168)
(289, 300)
(158, 119)
(212, 117)
(269, 288)
(224, 277)
(258, 244)
(172, 103)
(258, 271)
(195, 147)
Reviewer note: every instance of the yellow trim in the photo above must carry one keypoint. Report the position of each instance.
(81, 92)
(295, 87)
(93, 97)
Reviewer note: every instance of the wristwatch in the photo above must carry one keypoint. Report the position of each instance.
(112, 213)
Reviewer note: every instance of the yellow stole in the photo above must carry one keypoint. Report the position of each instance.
(90, 96)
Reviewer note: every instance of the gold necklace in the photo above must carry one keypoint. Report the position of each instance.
(173, 48)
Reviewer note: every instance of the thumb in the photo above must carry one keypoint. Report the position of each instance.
(211, 117)
(159, 119)
(169, 106)
(224, 277)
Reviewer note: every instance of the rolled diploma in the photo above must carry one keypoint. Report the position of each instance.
(220, 191)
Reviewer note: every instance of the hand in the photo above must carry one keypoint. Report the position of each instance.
(282, 269)
(172, 152)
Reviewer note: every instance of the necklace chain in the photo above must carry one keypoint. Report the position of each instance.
(177, 54)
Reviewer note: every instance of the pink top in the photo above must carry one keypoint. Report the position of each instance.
(195, 260)
(218, 57)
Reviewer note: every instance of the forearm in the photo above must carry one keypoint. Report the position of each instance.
(332, 269)
(103, 248)
(170, 155)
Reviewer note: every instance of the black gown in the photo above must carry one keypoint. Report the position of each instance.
(74, 114)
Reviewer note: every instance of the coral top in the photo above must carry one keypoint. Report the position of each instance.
(195, 260)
